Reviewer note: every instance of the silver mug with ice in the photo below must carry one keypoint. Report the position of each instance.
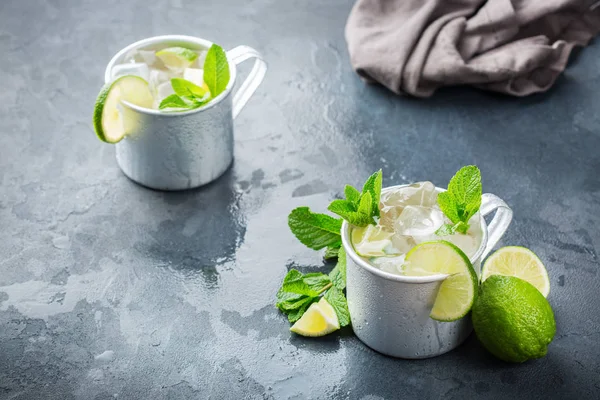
(390, 313)
(184, 150)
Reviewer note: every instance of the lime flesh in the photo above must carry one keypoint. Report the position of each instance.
(519, 262)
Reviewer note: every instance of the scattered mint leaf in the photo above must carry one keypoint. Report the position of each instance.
(315, 230)
(462, 199)
(295, 315)
(336, 298)
(352, 195)
(299, 291)
(186, 88)
(317, 281)
(373, 187)
(338, 273)
(173, 101)
(312, 284)
(331, 252)
(216, 70)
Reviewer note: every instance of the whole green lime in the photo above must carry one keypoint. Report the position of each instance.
(512, 319)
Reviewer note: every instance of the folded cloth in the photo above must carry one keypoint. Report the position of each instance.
(518, 47)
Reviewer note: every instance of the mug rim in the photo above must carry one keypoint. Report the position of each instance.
(163, 38)
(350, 252)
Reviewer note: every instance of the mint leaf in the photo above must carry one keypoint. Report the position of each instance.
(465, 187)
(173, 101)
(338, 273)
(445, 230)
(352, 195)
(462, 199)
(448, 206)
(216, 70)
(299, 291)
(331, 252)
(312, 284)
(336, 298)
(292, 303)
(184, 88)
(295, 315)
(349, 212)
(373, 187)
(315, 230)
(317, 281)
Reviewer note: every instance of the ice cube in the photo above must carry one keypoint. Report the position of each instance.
(146, 56)
(157, 77)
(393, 201)
(418, 221)
(418, 194)
(194, 75)
(163, 90)
(138, 69)
(393, 265)
(403, 244)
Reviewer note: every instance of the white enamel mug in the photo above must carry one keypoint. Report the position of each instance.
(184, 150)
(390, 313)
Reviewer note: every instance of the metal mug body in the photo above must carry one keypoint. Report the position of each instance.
(390, 313)
(183, 150)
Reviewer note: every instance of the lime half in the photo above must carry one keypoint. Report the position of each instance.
(109, 121)
(457, 292)
(177, 57)
(518, 262)
(319, 320)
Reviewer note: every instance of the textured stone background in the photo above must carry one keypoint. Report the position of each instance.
(109, 290)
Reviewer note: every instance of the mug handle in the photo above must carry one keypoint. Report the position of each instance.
(498, 225)
(238, 55)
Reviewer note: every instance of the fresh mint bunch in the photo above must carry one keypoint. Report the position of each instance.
(188, 95)
(318, 231)
(299, 291)
(359, 209)
(461, 201)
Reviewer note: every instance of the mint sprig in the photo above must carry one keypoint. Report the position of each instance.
(359, 209)
(188, 95)
(461, 201)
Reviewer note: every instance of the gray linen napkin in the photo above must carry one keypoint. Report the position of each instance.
(518, 47)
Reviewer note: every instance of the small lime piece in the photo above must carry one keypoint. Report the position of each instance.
(109, 120)
(519, 262)
(372, 241)
(177, 57)
(512, 319)
(319, 320)
(458, 291)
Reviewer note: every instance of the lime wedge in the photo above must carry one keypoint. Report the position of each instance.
(457, 292)
(372, 241)
(319, 320)
(519, 262)
(109, 121)
(177, 57)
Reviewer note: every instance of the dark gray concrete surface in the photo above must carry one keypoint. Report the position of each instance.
(112, 291)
